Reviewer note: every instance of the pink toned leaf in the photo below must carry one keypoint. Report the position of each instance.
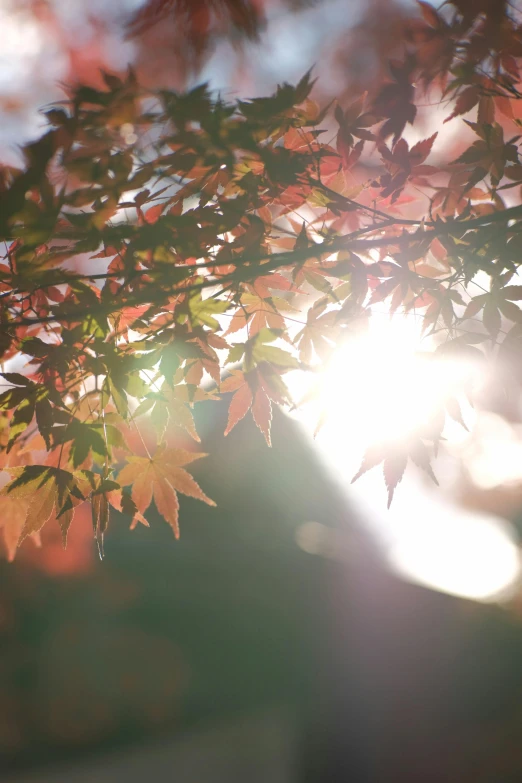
(465, 102)
(262, 413)
(504, 106)
(239, 405)
(420, 151)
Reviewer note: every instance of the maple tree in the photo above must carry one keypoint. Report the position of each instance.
(161, 249)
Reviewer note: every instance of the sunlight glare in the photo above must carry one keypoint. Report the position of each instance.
(22, 42)
(380, 387)
(494, 456)
(461, 553)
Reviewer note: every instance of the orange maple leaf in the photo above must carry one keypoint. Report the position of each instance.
(161, 477)
(250, 394)
(14, 512)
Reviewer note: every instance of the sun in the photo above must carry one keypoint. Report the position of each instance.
(383, 387)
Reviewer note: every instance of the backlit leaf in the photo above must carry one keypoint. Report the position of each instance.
(161, 478)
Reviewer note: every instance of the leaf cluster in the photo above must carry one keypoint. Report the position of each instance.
(163, 249)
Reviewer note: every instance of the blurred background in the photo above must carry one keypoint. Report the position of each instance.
(298, 632)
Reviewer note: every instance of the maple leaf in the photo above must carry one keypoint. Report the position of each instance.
(402, 163)
(263, 283)
(160, 478)
(122, 501)
(434, 44)
(258, 313)
(395, 100)
(209, 361)
(171, 405)
(489, 154)
(353, 122)
(393, 469)
(316, 336)
(250, 394)
(465, 102)
(14, 512)
(48, 492)
(240, 404)
(394, 457)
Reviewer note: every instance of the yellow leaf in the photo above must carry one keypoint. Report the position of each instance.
(40, 509)
(166, 501)
(138, 473)
(12, 521)
(178, 457)
(183, 482)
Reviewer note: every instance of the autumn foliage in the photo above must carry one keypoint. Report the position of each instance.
(166, 249)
